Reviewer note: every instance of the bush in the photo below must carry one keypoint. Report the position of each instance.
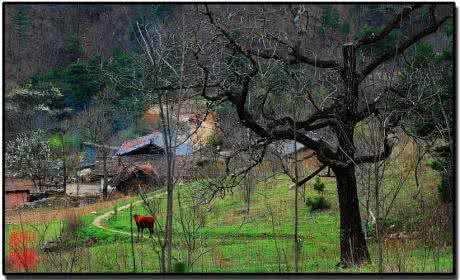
(318, 185)
(387, 225)
(317, 203)
(443, 190)
(115, 211)
(179, 267)
(215, 140)
(435, 165)
(21, 255)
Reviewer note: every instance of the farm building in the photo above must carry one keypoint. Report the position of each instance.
(286, 152)
(202, 127)
(212, 163)
(205, 127)
(143, 160)
(135, 177)
(153, 144)
(94, 153)
(93, 160)
(17, 191)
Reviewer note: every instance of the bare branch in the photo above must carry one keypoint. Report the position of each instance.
(308, 178)
(394, 23)
(389, 142)
(404, 46)
(295, 57)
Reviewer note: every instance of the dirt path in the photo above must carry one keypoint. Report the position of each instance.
(98, 220)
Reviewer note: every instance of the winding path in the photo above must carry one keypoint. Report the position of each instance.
(98, 220)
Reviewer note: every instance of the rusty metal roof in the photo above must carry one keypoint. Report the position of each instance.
(154, 139)
(18, 184)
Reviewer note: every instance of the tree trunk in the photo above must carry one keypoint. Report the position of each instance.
(169, 216)
(162, 259)
(64, 171)
(132, 237)
(378, 222)
(353, 247)
(104, 187)
(296, 227)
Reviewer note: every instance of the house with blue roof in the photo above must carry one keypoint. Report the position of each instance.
(153, 144)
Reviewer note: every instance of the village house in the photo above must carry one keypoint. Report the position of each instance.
(285, 151)
(304, 154)
(94, 154)
(17, 191)
(203, 127)
(142, 161)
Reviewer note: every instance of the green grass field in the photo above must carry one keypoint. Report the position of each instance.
(233, 240)
(247, 242)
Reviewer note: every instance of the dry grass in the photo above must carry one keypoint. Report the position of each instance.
(219, 260)
(73, 223)
(231, 216)
(45, 214)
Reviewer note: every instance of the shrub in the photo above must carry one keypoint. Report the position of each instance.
(388, 224)
(115, 211)
(21, 256)
(443, 190)
(317, 203)
(435, 165)
(215, 140)
(318, 185)
(180, 267)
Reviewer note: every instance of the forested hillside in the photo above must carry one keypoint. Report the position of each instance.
(76, 49)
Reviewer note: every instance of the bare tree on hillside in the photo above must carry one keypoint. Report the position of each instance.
(96, 125)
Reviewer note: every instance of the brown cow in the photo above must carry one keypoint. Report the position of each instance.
(143, 222)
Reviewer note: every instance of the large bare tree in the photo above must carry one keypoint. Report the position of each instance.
(239, 48)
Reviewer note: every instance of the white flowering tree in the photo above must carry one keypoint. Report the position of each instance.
(27, 156)
(28, 109)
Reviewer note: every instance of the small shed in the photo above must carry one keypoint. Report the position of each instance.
(135, 177)
(144, 158)
(17, 191)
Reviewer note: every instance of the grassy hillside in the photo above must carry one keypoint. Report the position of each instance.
(233, 240)
(251, 242)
